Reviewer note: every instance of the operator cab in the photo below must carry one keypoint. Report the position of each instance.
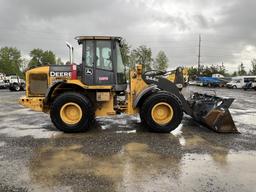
(102, 62)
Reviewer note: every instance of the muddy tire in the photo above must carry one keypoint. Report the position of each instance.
(72, 112)
(161, 112)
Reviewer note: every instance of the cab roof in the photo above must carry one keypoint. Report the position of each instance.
(80, 38)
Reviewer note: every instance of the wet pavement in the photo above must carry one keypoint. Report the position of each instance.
(120, 155)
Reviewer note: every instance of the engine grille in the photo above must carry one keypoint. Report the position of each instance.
(38, 84)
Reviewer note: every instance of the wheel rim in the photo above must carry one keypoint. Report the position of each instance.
(71, 113)
(162, 113)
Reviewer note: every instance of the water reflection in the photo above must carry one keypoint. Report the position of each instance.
(134, 166)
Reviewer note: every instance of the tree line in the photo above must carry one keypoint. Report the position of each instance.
(143, 55)
(12, 63)
(205, 70)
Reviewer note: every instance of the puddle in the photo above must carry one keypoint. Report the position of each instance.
(27, 130)
(248, 119)
(178, 131)
(15, 126)
(134, 163)
(137, 168)
(203, 174)
(120, 121)
(130, 131)
(2, 143)
(17, 112)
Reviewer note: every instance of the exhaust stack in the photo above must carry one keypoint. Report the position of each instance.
(71, 52)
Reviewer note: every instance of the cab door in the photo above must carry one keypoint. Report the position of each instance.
(88, 62)
(104, 71)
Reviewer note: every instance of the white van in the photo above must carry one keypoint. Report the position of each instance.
(240, 81)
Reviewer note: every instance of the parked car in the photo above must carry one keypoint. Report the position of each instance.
(4, 84)
(240, 81)
(210, 81)
(3, 81)
(16, 83)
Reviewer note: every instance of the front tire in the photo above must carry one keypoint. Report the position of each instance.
(71, 113)
(161, 112)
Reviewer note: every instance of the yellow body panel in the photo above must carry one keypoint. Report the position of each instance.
(136, 86)
(102, 96)
(34, 103)
(171, 77)
(104, 107)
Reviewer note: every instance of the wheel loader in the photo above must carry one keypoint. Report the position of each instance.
(74, 94)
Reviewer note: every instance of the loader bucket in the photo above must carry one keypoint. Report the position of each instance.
(220, 121)
(213, 112)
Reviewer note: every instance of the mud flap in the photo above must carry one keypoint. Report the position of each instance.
(213, 112)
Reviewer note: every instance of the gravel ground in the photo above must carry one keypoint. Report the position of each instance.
(119, 155)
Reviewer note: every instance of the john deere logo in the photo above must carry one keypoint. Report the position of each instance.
(88, 71)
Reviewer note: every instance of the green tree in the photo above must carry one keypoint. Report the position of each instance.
(125, 51)
(10, 60)
(48, 58)
(253, 71)
(241, 70)
(234, 74)
(40, 58)
(133, 59)
(37, 57)
(192, 73)
(143, 55)
(161, 62)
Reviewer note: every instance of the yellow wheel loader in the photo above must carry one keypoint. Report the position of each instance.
(74, 94)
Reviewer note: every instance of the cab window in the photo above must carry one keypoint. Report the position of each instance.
(104, 55)
(89, 53)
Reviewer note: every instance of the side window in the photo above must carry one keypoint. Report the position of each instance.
(89, 53)
(104, 55)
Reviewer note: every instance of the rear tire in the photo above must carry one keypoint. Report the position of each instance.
(80, 108)
(170, 109)
(234, 87)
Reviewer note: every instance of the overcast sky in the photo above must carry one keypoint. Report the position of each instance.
(228, 28)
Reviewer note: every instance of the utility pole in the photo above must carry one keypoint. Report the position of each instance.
(199, 56)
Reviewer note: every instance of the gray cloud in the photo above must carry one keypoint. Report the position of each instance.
(227, 28)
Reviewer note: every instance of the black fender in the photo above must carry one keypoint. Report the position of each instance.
(166, 85)
(50, 91)
(143, 93)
